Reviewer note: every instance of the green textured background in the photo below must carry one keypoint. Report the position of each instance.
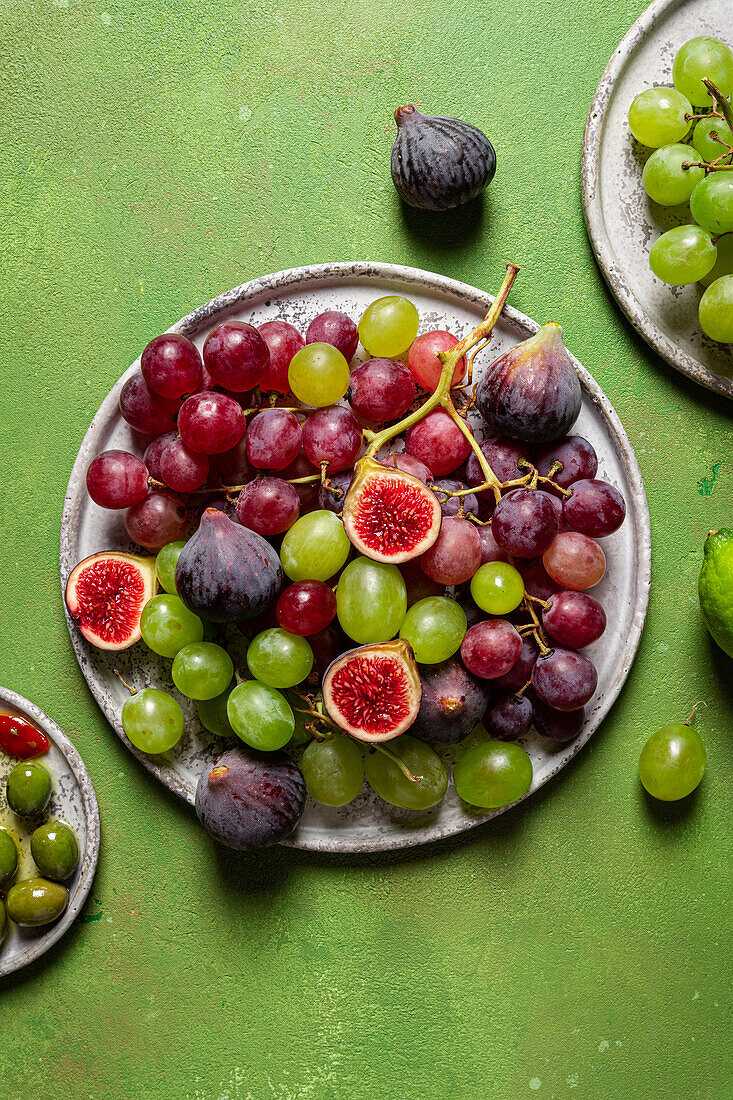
(153, 155)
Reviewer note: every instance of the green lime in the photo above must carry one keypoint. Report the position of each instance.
(715, 587)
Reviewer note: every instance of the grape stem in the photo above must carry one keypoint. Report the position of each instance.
(700, 703)
(723, 105)
(400, 763)
(133, 691)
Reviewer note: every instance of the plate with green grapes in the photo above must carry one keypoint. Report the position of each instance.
(658, 184)
(336, 540)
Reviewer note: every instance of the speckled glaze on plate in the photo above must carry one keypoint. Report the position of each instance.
(622, 222)
(73, 801)
(367, 824)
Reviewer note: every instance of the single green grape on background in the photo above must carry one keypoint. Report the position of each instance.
(387, 779)
(716, 310)
(152, 720)
(493, 774)
(279, 659)
(318, 375)
(711, 203)
(703, 56)
(435, 628)
(371, 600)
(704, 139)
(165, 565)
(315, 547)
(497, 588)
(167, 625)
(333, 770)
(672, 762)
(683, 255)
(261, 716)
(657, 116)
(202, 670)
(388, 326)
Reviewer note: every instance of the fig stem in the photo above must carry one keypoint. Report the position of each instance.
(400, 764)
(132, 690)
(699, 703)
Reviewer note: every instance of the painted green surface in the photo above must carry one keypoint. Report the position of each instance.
(153, 155)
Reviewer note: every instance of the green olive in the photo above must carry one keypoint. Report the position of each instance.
(8, 856)
(29, 788)
(3, 921)
(36, 901)
(55, 849)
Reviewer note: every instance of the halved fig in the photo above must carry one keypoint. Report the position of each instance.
(374, 692)
(106, 594)
(388, 514)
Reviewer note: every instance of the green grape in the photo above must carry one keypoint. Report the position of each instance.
(682, 255)
(665, 180)
(152, 720)
(493, 774)
(371, 600)
(657, 117)
(672, 762)
(261, 716)
(333, 770)
(165, 564)
(213, 714)
(167, 625)
(318, 375)
(724, 262)
(301, 735)
(435, 628)
(388, 326)
(704, 141)
(711, 203)
(388, 780)
(716, 310)
(497, 588)
(703, 56)
(315, 547)
(202, 670)
(279, 659)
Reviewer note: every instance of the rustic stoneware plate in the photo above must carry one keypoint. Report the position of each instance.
(622, 222)
(367, 824)
(73, 801)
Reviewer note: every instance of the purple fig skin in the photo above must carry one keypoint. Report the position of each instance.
(453, 702)
(249, 800)
(438, 163)
(226, 572)
(531, 392)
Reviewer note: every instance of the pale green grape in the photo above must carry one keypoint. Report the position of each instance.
(152, 720)
(333, 770)
(497, 588)
(387, 779)
(279, 659)
(493, 774)
(703, 56)
(665, 180)
(202, 670)
(213, 714)
(318, 375)
(672, 762)
(682, 255)
(165, 564)
(315, 547)
(716, 310)
(657, 117)
(261, 716)
(388, 326)
(711, 203)
(371, 600)
(704, 141)
(167, 625)
(435, 628)
(724, 262)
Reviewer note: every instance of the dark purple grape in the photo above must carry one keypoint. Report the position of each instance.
(490, 549)
(491, 648)
(525, 523)
(332, 435)
(594, 508)
(117, 479)
(537, 581)
(326, 645)
(154, 450)
(306, 607)
(182, 469)
(509, 717)
(145, 411)
(331, 495)
(521, 673)
(211, 423)
(578, 457)
(307, 490)
(268, 505)
(274, 439)
(503, 456)
(450, 506)
(574, 619)
(336, 329)
(283, 341)
(236, 356)
(419, 585)
(171, 365)
(381, 390)
(233, 467)
(157, 520)
(557, 725)
(564, 679)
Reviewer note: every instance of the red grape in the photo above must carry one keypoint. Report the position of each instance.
(327, 645)
(336, 329)
(574, 619)
(182, 469)
(450, 506)
(331, 495)
(508, 717)
(503, 457)
(521, 672)
(524, 522)
(455, 555)
(381, 390)
(564, 679)
(578, 457)
(171, 365)
(274, 439)
(491, 648)
(490, 549)
(232, 467)
(283, 340)
(154, 450)
(236, 356)
(424, 363)
(575, 561)
(594, 508)
(306, 607)
(268, 505)
(537, 581)
(308, 490)
(419, 585)
(332, 435)
(409, 465)
(211, 423)
(117, 479)
(145, 411)
(438, 442)
(557, 725)
(157, 520)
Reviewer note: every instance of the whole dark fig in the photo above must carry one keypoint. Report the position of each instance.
(439, 163)
(250, 800)
(226, 572)
(531, 392)
(453, 702)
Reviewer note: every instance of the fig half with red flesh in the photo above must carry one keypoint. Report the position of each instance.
(106, 594)
(374, 692)
(388, 514)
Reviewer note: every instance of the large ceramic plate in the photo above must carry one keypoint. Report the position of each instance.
(622, 222)
(73, 801)
(297, 296)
